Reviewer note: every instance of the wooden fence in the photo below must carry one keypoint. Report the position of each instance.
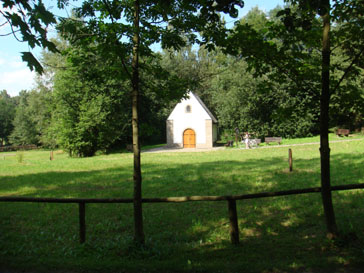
(231, 199)
(17, 148)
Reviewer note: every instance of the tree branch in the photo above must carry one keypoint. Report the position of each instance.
(4, 24)
(283, 69)
(117, 41)
(11, 26)
(125, 68)
(55, 67)
(109, 11)
(347, 70)
(8, 34)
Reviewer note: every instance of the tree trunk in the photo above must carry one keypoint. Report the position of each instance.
(324, 124)
(137, 199)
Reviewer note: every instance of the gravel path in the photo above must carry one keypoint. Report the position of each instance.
(182, 150)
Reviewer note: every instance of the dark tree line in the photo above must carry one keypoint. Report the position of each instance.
(82, 104)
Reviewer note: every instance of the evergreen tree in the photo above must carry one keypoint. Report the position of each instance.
(7, 113)
(24, 128)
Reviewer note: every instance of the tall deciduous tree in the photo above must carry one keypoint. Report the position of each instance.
(127, 29)
(324, 122)
(350, 15)
(289, 53)
(89, 104)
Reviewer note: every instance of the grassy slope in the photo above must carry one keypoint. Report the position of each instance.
(279, 234)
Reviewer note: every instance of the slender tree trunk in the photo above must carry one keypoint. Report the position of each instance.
(138, 213)
(324, 124)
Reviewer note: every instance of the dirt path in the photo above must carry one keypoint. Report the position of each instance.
(165, 149)
(182, 150)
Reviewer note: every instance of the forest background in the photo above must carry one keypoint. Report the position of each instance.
(81, 102)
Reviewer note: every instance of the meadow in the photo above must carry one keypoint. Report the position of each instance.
(280, 234)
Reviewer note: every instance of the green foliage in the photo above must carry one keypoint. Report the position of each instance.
(91, 96)
(112, 39)
(32, 118)
(263, 99)
(284, 64)
(239, 98)
(24, 131)
(40, 106)
(256, 18)
(7, 113)
(270, 94)
(271, 89)
(90, 106)
(183, 19)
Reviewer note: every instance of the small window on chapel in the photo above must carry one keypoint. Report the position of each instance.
(188, 109)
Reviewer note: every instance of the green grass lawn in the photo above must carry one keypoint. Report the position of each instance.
(281, 234)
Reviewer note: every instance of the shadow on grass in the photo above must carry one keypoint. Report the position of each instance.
(282, 234)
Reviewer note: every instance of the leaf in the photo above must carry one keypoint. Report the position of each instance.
(42, 13)
(32, 62)
(8, 4)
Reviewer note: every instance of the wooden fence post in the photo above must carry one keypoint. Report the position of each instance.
(82, 214)
(51, 155)
(290, 160)
(233, 217)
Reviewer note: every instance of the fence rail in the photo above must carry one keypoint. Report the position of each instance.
(231, 199)
(16, 148)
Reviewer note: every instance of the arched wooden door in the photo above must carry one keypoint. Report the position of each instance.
(189, 139)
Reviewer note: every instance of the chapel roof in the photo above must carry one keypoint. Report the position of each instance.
(204, 107)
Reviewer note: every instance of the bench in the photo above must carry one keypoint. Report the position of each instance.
(273, 139)
(343, 132)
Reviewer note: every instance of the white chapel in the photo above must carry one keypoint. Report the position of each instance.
(191, 124)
